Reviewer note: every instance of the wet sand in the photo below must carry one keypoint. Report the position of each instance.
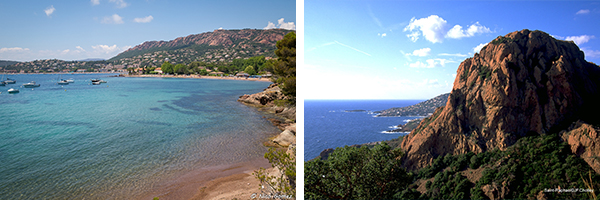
(216, 182)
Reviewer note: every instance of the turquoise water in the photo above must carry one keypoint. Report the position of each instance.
(116, 140)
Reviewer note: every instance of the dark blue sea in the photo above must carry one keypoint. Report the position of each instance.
(328, 125)
(118, 140)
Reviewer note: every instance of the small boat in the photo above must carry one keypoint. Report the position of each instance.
(70, 80)
(96, 83)
(10, 81)
(95, 80)
(63, 82)
(31, 84)
(12, 91)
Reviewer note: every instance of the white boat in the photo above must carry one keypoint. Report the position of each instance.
(63, 82)
(10, 81)
(70, 80)
(31, 84)
(96, 83)
(12, 90)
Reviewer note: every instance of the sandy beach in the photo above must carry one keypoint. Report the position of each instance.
(216, 182)
(201, 77)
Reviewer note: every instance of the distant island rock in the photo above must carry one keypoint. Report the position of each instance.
(425, 108)
(355, 110)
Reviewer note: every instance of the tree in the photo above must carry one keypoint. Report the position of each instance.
(285, 183)
(180, 69)
(356, 173)
(167, 67)
(285, 66)
(250, 70)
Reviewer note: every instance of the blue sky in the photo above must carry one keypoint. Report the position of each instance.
(74, 30)
(412, 49)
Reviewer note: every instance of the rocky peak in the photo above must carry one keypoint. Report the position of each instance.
(524, 83)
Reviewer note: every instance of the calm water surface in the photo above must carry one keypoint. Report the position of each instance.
(118, 139)
(327, 125)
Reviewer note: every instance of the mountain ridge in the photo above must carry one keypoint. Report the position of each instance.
(250, 41)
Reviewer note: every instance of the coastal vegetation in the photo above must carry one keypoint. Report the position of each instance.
(284, 183)
(531, 168)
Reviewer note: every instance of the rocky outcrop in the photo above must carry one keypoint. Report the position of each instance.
(585, 143)
(524, 83)
(267, 101)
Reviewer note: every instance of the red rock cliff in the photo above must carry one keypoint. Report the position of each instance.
(526, 82)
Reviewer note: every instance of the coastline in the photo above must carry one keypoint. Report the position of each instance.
(198, 77)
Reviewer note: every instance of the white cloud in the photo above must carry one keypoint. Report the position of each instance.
(579, 39)
(381, 34)
(79, 47)
(430, 63)
(558, 37)
(49, 10)
(281, 24)
(420, 52)
(105, 49)
(457, 32)
(479, 47)
(120, 3)
(95, 2)
(147, 19)
(13, 49)
(581, 12)
(432, 27)
(220, 28)
(591, 53)
(435, 29)
(114, 19)
(453, 54)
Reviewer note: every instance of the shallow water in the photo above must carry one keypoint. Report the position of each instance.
(119, 139)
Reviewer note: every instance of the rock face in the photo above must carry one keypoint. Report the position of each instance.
(521, 84)
(585, 143)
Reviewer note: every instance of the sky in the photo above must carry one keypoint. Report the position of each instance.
(412, 49)
(76, 30)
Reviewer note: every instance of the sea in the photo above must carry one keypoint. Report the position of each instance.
(119, 139)
(329, 124)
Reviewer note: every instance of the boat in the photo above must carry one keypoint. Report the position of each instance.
(70, 80)
(31, 84)
(95, 80)
(63, 82)
(12, 90)
(10, 81)
(96, 83)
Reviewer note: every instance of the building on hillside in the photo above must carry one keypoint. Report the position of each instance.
(80, 70)
(158, 70)
(242, 74)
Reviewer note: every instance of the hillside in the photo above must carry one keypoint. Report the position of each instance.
(210, 47)
(425, 108)
(7, 62)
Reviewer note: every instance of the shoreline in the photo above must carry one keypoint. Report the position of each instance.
(198, 77)
(229, 180)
